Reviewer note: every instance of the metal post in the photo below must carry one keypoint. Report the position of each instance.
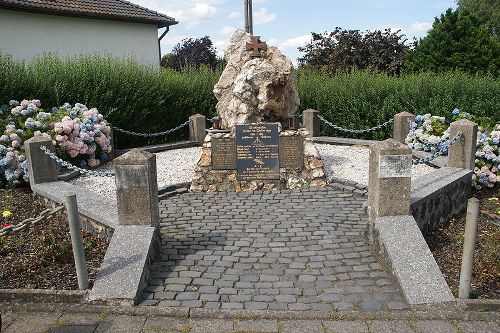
(247, 26)
(469, 247)
(77, 241)
(250, 16)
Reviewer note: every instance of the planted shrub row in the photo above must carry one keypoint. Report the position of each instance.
(140, 99)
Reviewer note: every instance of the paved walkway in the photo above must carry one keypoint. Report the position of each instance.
(279, 250)
(59, 321)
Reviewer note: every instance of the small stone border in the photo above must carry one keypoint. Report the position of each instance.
(459, 310)
(161, 147)
(349, 186)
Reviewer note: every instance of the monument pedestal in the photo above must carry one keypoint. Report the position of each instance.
(258, 157)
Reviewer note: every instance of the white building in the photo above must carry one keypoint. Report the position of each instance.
(29, 28)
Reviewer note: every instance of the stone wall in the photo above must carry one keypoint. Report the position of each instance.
(438, 195)
(208, 180)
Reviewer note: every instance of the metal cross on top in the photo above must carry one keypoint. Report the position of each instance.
(256, 46)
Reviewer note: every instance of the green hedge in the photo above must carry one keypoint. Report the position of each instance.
(363, 99)
(137, 98)
(129, 95)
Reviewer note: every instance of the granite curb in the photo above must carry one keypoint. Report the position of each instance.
(43, 295)
(454, 311)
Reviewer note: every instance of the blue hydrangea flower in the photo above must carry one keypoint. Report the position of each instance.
(73, 114)
(103, 156)
(455, 111)
(67, 106)
(418, 118)
(83, 164)
(54, 109)
(13, 103)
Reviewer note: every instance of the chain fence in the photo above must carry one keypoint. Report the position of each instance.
(151, 135)
(359, 131)
(70, 166)
(31, 221)
(443, 150)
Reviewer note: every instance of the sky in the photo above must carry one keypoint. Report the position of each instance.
(288, 24)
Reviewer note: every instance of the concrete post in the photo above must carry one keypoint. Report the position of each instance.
(197, 126)
(402, 123)
(77, 241)
(137, 188)
(469, 247)
(463, 153)
(389, 182)
(41, 168)
(311, 122)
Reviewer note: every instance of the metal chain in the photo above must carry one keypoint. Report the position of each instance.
(151, 135)
(72, 167)
(353, 130)
(31, 221)
(438, 153)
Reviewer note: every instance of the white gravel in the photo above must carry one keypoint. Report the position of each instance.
(351, 163)
(173, 167)
(177, 167)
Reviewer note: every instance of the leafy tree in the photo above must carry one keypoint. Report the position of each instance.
(191, 53)
(341, 50)
(457, 41)
(487, 10)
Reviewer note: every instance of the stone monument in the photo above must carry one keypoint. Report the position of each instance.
(257, 142)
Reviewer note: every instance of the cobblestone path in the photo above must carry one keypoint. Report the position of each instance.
(279, 250)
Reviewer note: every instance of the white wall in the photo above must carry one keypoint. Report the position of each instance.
(26, 35)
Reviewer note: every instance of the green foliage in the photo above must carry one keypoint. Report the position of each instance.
(340, 50)
(360, 99)
(137, 98)
(457, 41)
(487, 10)
(191, 53)
(129, 95)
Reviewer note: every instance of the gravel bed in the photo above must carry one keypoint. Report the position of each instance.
(177, 167)
(173, 167)
(351, 163)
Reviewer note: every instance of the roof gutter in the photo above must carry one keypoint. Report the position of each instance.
(167, 29)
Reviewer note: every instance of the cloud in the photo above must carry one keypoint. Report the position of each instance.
(290, 43)
(234, 15)
(419, 27)
(262, 16)
(193, 16)
(227, 30)
(220, 45)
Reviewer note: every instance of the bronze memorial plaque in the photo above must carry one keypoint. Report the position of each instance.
(292, 152)
(224, 154)
(257, 148)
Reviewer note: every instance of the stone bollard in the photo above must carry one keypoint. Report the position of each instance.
(137, 188)
(197, 126)
(41, 168)
(402, 124)
(389, 182)
(463, 153)
(311, 122)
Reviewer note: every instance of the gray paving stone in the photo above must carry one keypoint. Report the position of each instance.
(210, 326)
(301, 326)
(478, 327)
(122, 324)
(261, 326)
(389, 326)
(345, 326)
(240, 248)
(40, 323)
(433, 326)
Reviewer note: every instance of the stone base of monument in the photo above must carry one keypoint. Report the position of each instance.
(258, 157)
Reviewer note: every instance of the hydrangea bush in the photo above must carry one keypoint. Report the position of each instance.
(430, 133)
(80, 136)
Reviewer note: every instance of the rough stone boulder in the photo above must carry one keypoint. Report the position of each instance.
(253, 90)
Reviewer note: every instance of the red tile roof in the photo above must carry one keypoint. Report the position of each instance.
(106, 9)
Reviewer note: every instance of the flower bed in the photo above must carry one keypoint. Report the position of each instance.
(80, 136)
(431, 133)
